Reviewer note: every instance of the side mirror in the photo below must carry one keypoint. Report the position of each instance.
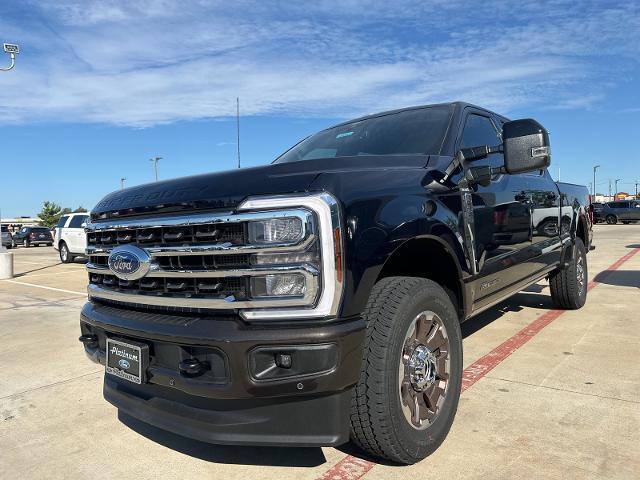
(526, 146)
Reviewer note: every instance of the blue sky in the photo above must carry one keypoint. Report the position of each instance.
(101, 86)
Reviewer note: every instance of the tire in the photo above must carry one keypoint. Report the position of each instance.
(25, 243)
(382, 423)
(10, 246)
(65, 254)
(569, 285)
(626, 223)
(612, 219)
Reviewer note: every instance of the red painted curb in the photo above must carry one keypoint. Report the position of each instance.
(353, 468)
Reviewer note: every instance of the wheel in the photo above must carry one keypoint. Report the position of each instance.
(65, 255)
(405, 402)
(612, 219)
(13, 243)
(10, 246)
(25, 243)
(626, 223)
(569, 285)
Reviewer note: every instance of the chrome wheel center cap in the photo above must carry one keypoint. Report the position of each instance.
(422, 368)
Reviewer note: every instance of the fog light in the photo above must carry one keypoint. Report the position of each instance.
(290, 284)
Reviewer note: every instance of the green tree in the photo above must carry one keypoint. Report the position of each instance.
(80, 209)
(50, 214)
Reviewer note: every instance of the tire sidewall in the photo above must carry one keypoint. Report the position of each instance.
(580, 251)
(418, 443)
(64, 253)
(611, 219)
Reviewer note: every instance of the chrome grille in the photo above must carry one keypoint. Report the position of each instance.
(198, 261)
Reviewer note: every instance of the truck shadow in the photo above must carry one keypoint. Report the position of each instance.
(620, 278)
(534, 296)
(227, 454)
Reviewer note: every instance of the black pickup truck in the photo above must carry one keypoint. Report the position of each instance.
(319, 298)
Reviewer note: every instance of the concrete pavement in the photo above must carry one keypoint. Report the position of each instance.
(566, 404)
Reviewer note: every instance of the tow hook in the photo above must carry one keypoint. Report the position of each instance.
(192, 367)
(90, 341)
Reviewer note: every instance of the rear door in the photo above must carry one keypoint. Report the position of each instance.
(58, 230)
(75, 233)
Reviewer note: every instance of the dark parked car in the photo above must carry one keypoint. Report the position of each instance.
(28, 236)
(320, 298)
(6, 238)
(598, 212)
(625, 211)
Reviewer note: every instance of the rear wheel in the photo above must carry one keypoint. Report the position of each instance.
(569, 285)
(612, 219)
(65, 255)
(25, 243)
(407, 396)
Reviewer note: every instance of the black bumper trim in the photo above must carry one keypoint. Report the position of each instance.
(304, 422)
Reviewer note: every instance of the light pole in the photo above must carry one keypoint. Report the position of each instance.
(595, 167)
(155, 164)
(616, 189)
(122, 183)
(6, 258)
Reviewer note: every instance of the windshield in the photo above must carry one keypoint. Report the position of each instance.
(410, 132)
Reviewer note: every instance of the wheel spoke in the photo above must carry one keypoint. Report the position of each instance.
(436, 338)
(423, 327)
(433, 394)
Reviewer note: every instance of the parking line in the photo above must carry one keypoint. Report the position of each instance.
(353, 468)
(46, 288)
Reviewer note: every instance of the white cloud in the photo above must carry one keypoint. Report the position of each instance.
(153, 62)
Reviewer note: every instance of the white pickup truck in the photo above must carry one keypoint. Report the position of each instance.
(69, 237)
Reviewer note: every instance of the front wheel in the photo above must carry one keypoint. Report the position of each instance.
(405, 402)
(612, 219)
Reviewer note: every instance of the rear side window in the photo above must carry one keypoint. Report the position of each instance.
(62, 221)
(619, 205)
(77, 221)
(479, 130)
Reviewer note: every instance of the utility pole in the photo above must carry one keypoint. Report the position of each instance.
(609, 189)
(617, 180)
(238, 127)
(155, 164)
(122, 183)
(595, 167)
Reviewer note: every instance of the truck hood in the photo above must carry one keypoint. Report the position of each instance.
(225, 190)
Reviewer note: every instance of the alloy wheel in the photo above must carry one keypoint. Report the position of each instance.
(424, 370)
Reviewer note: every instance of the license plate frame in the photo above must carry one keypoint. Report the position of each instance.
(127, 359)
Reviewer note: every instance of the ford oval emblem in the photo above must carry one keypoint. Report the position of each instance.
(129, 263)
(123, 364)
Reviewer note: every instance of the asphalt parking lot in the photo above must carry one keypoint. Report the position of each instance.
(547, 394)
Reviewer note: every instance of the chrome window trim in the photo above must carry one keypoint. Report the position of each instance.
(327, 210)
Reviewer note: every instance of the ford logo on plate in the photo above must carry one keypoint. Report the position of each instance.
(123, 364)
(129, 263)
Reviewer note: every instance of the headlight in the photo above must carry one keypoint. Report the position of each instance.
(280, 285)
(304, 251)
(276, 230)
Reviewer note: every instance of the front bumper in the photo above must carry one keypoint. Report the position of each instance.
(244, 397)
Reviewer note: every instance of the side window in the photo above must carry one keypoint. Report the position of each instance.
(479, 130)
(62, 221)
(77, 221)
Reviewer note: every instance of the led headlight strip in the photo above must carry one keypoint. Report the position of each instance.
(328, 214)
